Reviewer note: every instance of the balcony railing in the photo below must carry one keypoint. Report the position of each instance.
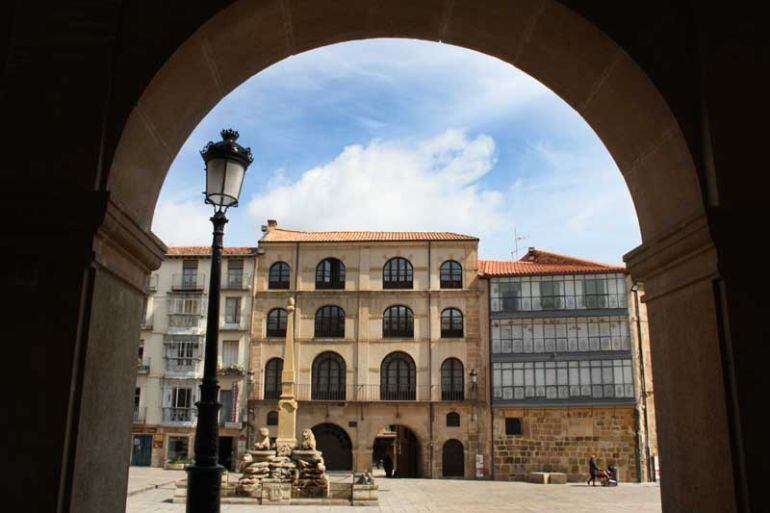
(188, 281)
(184, 321)
(143, 366)
(236, 280)
(233, 324)
(173, 415)
(151, 283)
(368, 393)
(181, 365)
(147, 322)
(140, 414)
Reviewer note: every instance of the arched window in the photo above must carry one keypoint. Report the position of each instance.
(273, 371)
(453, 459)
(397, 274)
(452, 386)
(398, 321)
(278, 277)
(276, 322)
(452, 419)
(330, 322)
(330, 274)
(451, 323)
(398, 380)
(272, 418)
(328, 377)
(451, 275)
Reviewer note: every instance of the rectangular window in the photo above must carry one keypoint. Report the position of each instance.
(551, 295)
(234, 273)
(189, 273)
(229, 353)
(232, 310)
(178, 447)
(595, 293)
(512, 426)
(137, 397)
(226, 411)
(181, 397)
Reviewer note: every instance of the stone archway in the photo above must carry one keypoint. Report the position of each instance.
(335, 445)
(541, 37)
(453, 459)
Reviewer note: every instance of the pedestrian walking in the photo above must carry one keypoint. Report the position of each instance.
(593, 470)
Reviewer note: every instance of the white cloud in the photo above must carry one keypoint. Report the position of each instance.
(432, 185)
(180, 222)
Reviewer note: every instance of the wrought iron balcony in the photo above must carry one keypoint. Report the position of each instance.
(183, 322)
(147, 322)
(233, 324)
(151, 284)
(140, 414)
(173, 415)
(143, 366)
(189, 281)
(236, 280)
(370, 393)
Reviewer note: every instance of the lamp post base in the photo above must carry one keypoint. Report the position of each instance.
(203, 488)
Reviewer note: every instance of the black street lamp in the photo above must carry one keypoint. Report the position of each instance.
(226, 164)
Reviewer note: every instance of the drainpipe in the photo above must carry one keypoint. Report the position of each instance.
(635, 290)
(488, 376)
(430, 365)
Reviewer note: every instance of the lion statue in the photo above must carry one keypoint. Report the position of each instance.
(308, 440)
(263, 440)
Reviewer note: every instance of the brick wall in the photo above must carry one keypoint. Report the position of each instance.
(563, 440)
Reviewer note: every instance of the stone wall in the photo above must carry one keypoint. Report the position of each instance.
(563, 440)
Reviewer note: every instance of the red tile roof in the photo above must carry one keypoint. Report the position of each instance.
(206, 251)
(281, 235)
(539, 262)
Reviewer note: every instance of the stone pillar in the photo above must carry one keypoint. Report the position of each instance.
(678, 270)
(287, 405)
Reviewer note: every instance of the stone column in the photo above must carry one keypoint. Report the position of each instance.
(287, 405)
(678, 270)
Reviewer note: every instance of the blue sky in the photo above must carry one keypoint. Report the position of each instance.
(392, 134)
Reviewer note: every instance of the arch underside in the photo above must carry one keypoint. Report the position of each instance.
(577, 62)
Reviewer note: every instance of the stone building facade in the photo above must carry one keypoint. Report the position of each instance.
(389, 352)
(567, 378)
(171, 348)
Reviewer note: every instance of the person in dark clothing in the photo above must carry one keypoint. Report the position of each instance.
(593, 470)
(388, 464)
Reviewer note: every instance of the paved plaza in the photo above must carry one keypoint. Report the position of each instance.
(425, 495)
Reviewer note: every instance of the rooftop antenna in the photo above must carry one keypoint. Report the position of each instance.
(516, 239)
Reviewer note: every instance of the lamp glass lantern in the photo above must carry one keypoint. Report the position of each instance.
(226, 165)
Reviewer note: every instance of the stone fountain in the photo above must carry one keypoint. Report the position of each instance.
(287, 472)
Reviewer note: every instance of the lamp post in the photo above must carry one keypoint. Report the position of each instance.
(226, 164)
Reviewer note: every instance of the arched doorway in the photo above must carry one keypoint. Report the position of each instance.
(335, 445)
(453, 459)
(401, 447)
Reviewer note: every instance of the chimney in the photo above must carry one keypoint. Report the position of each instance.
(271, 223)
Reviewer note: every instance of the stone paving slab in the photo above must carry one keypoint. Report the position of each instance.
(141, 479)
(442, 495)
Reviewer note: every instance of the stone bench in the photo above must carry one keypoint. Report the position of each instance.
(537, 477)
(557, 478)
(547, 477)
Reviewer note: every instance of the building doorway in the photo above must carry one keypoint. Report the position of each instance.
(226, 452)
(453, 459)
(335, 445)
(400, 445)
(141, 453)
